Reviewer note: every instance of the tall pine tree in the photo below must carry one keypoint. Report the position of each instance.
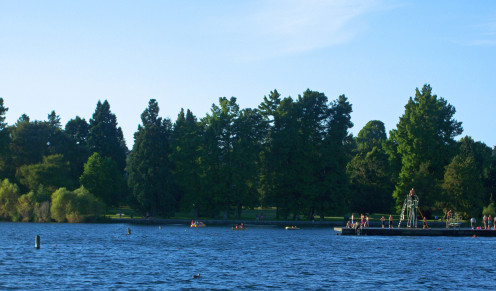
(150, 169)
(424, 140)
(105, 137)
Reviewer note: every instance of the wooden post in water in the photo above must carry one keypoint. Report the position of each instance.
(37, 242)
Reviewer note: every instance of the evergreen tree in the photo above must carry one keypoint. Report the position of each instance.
(373, 134)
(268, 189)
(336, 154)
(369, 172)
(281, 154)
(424, 139)
(311, 187)
(221, 136)
(77, 150)
(78, 129)
(150, 170)
(3, 110)
(4, 143)
(23, 118)
(186, 146)
(105, 137)
(249, 131)
(54, 120)
(490, 180)
(30, 141)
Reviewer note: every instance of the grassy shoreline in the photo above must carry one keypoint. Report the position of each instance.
(228, 222)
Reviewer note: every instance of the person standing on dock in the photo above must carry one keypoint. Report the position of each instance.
(390, 221)
(448, 218)
(472, 222)
(494, 225)
(484, 221)
(382, 221)
(489, 221)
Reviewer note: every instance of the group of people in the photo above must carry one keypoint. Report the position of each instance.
(197, 223)
(488, 222)
(365, 221)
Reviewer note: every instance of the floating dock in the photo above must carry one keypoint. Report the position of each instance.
(415, 231)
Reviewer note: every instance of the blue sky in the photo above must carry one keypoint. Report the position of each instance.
(67, 55)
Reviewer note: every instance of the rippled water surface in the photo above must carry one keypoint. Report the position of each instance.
(102, 256)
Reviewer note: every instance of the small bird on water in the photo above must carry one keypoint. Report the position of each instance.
(196, 276)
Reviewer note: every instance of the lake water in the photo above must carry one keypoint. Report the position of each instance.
(102, 256)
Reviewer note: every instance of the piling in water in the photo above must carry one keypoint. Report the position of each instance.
(37, 242)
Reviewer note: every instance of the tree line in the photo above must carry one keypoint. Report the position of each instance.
(296, 155)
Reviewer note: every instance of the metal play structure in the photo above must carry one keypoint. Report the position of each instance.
(409, 210)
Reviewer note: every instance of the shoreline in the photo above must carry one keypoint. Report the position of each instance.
(230, 222)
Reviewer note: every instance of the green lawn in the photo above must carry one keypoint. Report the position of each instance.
(246, 214)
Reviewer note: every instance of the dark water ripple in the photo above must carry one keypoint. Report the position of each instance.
(100, 256)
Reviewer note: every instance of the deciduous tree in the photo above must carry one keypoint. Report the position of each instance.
(9, 194)
(101, 176)
(53, 173)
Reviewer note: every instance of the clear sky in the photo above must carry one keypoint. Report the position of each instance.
(67, 55)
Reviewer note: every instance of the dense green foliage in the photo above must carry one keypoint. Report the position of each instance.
(186, 143)
(72, 206)
(294, 154)
(426, 145)
(149, 167)
(101, 176)
(370, 171)
(53, 172)
(9, 193)
(104, 136)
